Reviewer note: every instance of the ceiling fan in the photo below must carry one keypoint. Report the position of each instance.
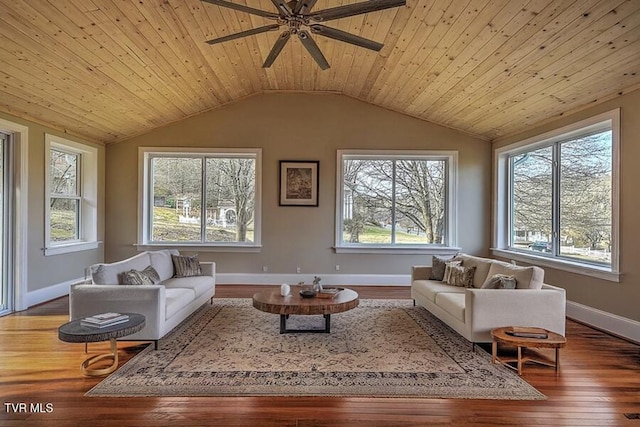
(296, 14)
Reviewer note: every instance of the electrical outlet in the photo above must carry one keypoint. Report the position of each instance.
(337, 267)
(298, 269)
(265, 268)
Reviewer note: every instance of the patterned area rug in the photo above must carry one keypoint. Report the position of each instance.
(383, 348)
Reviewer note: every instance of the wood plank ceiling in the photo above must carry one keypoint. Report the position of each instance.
(111, 69)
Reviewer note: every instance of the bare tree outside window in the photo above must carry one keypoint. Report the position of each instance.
(394, 201)
(64, 199)
(582, 168)
(203, 199)
(231, 189)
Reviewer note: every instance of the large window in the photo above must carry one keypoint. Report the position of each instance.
(71, 196)
(209, 198)
(559, 195)
(395, 199)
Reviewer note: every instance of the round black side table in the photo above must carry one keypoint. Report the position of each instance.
(75, 331)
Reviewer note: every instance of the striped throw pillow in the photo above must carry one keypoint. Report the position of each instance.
(186, 266)
(148, 276)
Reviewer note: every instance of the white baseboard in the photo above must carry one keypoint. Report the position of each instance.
(49, 293)
(327, 279)
(614, 324)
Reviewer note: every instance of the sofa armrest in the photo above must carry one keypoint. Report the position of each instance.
(148, 300)
(420, 272)
(208, 269)
(486, 309)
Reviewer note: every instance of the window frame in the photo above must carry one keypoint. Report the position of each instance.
(145, 154)
(502, 196)
(87, 196)
(449, 247)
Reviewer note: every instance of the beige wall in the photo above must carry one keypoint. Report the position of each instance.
(293, 126)
(44, 271)
(622, 298)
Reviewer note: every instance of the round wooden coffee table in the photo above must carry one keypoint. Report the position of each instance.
(271, 301)
(75, 331)
(503, 336)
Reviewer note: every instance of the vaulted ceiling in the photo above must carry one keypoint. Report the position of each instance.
(111, 69)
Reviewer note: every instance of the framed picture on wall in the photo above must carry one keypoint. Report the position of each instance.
(299, 182)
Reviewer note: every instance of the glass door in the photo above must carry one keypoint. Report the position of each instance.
(6, 298)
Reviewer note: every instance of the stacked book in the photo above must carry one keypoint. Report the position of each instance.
(328, 292)
(104, 319)
(523, 332)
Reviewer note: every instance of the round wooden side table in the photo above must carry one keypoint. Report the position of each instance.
(505, 336)
(75, 331)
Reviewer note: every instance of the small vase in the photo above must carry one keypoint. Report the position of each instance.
(285, 289)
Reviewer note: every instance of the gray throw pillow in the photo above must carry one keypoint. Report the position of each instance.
(186, 266)
(148, 276)
(437, 267)
(500, 281)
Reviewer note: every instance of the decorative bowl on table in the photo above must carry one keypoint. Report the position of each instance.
(307, 293)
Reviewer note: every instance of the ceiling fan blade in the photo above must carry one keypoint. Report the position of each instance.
(250, 32)
(277, 47)
(243, 8)
(283, 8)
(355, 9)
(303, 6)
(313, 49)
(343, 36)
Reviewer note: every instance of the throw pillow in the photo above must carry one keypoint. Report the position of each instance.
(438, 266)
(447, 269)
(461, 276)
(500, 281)
(526, 277)
(148, 276)
(98, 275)
(186, 266)
(482, 267)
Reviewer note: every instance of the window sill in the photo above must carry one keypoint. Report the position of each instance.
(560, 264)
(398, 250)
(70, 247)
(198, 247)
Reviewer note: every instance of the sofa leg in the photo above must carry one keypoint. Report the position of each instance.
(156, 344)
(211, 301)
(414, 303)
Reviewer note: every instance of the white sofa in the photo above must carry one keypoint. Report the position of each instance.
(473, 312)
(164, 305)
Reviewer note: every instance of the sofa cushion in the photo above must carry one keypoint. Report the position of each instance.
(148, 276)
(109, 274)
(500, 281)
(461, 276)
(199, 284)
(161, 261)
(186, 266)
(452, 303)
(482, 266)
(177, 299)
(429, 289)
(526, 277)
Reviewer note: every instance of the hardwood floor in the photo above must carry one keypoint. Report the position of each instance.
(598, 383)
